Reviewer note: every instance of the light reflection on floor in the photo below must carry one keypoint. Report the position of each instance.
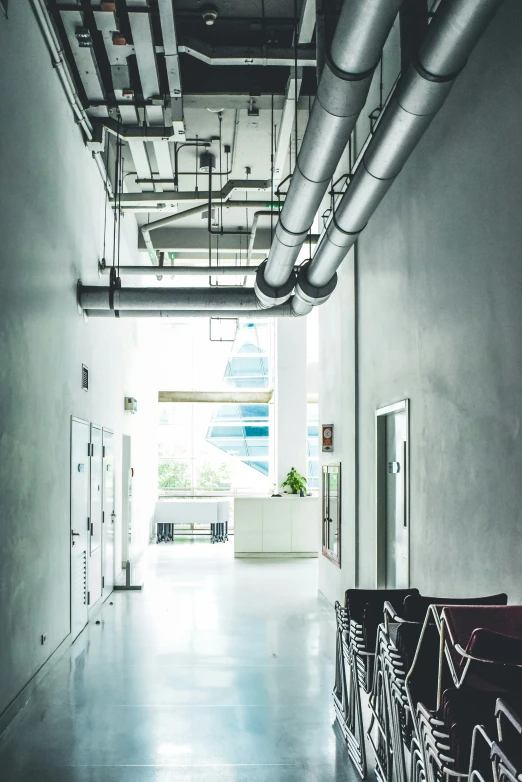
(221, 670)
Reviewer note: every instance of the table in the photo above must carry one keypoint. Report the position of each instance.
(168, 513)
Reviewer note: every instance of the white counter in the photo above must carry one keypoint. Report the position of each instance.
(287, 526)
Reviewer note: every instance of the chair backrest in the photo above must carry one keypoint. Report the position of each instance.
(356, 601)
(416, 605)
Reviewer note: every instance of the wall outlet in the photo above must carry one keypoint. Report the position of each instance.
(44, 638)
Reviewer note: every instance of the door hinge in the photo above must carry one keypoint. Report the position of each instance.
(88, 598)
(103, 581)
(103, 517)
(88, 523)
(92, 527)
(103, 451)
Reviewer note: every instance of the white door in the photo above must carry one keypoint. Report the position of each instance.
(80, 526)
(126, 500)
(96, 516)
(108, 512)
(397, 548)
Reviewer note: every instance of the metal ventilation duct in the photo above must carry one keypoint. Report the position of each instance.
(283, 311)
(356, 48)
(420, 93)
(203, 299)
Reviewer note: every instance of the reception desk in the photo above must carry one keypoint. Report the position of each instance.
(287, 526)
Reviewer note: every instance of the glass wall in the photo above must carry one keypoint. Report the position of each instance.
(312, 441)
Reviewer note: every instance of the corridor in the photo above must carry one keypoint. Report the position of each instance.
(219, 670)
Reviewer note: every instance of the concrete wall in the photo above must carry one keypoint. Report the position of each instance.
(337, 407)
(440, 322)
(51, 229)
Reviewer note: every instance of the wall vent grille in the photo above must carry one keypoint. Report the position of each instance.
(85, 378)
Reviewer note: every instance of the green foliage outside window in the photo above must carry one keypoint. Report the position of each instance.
(173, 475)
(214, 476)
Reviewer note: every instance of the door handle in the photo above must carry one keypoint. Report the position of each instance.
(73, 535)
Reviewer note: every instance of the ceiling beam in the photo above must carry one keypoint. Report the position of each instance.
(84, 55)
(307, 22)
(248, 55)
(221, 397)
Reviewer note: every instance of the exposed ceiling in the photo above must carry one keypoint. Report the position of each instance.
(227, 88)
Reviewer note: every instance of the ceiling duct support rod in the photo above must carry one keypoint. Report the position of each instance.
(361, 32)
(419, 94)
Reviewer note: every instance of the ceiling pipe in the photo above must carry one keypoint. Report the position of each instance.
(361, 32)
(283, 311)
(198, 271)
(216, 298)
(60, 64)
(420, 93)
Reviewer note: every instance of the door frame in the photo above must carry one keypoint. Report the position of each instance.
(76, 419)
(380, 499)
(92, 602)
(105, 522)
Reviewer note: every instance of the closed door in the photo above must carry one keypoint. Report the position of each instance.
(80, 448)
(96, 516)
(397, 569)
(108, 511)
(126, 500)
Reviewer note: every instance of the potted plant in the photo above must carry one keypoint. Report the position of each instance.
(295, 482)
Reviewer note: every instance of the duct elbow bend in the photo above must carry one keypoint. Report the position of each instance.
(269, 296)
(308, 296)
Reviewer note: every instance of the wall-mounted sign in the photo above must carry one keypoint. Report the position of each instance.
(328, 437)
(131, 404)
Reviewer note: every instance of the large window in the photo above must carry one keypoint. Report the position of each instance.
(312, 443)
(209, 448)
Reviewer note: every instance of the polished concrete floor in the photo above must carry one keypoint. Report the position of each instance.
(220, 670)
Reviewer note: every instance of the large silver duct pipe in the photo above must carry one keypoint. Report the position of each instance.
(216, 298)
(420, 93)
(282, 311)
(356, 48)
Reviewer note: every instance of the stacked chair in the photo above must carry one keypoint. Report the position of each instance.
(357, 629)
(439, 675)
(479, 662)
(506, 750)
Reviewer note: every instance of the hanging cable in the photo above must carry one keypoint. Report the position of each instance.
(220, 117)
(296, 38)
(116, 182)
(248, 171)
(120, 190)
(197, 161)
(381, 84)
(106, 188)
(272, 169)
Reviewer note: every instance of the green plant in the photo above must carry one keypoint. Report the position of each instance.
(294, 481)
